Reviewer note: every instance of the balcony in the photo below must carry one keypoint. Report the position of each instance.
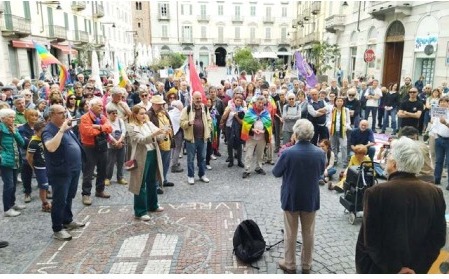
(56, 32)
(221, 41)
(252, 42)
(186, 41)
(380, 9)
(312, 37)
(15, 26)
(98, 11)
(100, 40)
(335, 23)
(78, 5)
(316, 7)
(268, 19)
(283, 41)
(203, 18)
(237, 19)
(162, 17)
(84, 36)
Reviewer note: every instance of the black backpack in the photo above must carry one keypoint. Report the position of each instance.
(248, 242)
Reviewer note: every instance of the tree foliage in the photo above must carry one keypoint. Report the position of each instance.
(245, 60)
(172, 59)
(323, 55)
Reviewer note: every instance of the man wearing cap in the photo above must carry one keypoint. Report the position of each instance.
(7, 95)
(160, 118)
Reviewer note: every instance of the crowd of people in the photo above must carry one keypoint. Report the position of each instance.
(148, 125)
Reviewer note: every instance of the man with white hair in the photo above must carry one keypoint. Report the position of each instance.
(291, 112)
(93, 129)
(300, 167)
(118, 104)
(404, 226)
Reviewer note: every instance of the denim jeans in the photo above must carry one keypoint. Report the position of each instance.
(390, 113)
(442, 155)
(197, 148)
(64, 190)
(115, 156)
(165, 156)
(9, 177)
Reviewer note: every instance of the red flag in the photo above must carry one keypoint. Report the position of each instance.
(195, 81)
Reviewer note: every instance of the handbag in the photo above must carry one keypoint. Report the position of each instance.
(101, 142)
(132, 163)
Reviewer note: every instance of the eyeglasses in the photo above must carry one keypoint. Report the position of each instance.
(89, 88)
(351, 95)
(72, 98)
(78, 87)
(144, 95)
(172, 98)
(291, 98)
(113, 112)
(413, 92)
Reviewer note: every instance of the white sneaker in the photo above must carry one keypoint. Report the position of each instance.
(180, 155)
(19, 207)
(144, 218)
(209, 167)
(213, 157)
(12, 213)
(62, 235)
(204, 179)
(191, 180)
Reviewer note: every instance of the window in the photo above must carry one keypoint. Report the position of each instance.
(268, 33)
(66, 21)
(237, 32)
(26, 9)
(253, 11)
(237, 11)
(85, 25)
(203, 10)
(187, 32)
(164, 31)
(353, 52)
(283, 33)
(284, 11)
(203, 32)
(90, 26)
(186, 9)
(75, 22)
(163, 9)
(428, 69)
(252, 33)
(220, 33)
(268, 12)
(220, 10)
(139, 6)
(138, 24)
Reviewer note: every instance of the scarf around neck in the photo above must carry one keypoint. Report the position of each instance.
(342, 122)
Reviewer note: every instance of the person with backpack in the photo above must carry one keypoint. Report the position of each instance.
(291, 112)
(300, 167)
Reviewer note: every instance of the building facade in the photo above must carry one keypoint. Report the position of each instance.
(212, 30)
(70, 30)
(408, 39)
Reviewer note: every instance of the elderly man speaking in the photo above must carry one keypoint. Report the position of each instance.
(300, 167)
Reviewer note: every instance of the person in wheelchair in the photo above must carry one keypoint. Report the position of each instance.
(360, 155)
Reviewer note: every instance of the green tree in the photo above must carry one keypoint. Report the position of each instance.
(323, 55)
(175, 60)
(245, 60)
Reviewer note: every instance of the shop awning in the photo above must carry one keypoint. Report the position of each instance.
(265, 54)
(65, 49)
(22, 44)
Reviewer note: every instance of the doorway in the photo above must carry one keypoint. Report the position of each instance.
(394, 51)
(220, 57)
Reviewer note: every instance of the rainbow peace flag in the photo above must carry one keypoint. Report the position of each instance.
(47, 58)
(251, 117)
(123, 78)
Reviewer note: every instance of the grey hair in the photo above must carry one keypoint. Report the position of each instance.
(95, 101)
(238, 89)
(291, 95)
(408, 155)
(352, 90)
(303, 130)
(261, 98)
(5, 112)
(18, 100)
(116, 90)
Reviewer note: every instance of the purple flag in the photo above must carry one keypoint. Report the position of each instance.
(304, 69)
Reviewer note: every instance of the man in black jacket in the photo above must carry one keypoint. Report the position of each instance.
(404, 226)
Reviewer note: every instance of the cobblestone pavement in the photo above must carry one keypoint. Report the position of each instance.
(192, 235)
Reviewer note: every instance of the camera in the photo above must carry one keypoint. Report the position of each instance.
(386, 146)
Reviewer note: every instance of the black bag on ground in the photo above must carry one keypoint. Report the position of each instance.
(248, 242)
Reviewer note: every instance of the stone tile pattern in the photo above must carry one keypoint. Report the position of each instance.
(186, 238)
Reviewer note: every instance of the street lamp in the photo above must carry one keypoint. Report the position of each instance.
(106, 23)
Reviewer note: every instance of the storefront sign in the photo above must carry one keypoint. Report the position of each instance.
(422, 42)
(369, 56)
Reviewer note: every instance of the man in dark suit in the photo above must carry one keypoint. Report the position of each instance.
(404, 226)
(300, 167)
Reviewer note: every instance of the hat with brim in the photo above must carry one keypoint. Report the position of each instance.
(158, 100)
(7, 87)
(172, 91)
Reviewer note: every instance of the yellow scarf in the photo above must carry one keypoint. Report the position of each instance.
(342, 122)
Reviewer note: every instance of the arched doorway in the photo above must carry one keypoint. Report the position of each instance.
(394, 50)
(220, 57)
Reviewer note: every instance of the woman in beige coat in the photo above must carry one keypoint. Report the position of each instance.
(145, 150)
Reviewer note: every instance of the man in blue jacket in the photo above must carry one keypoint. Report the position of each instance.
(300, 167)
